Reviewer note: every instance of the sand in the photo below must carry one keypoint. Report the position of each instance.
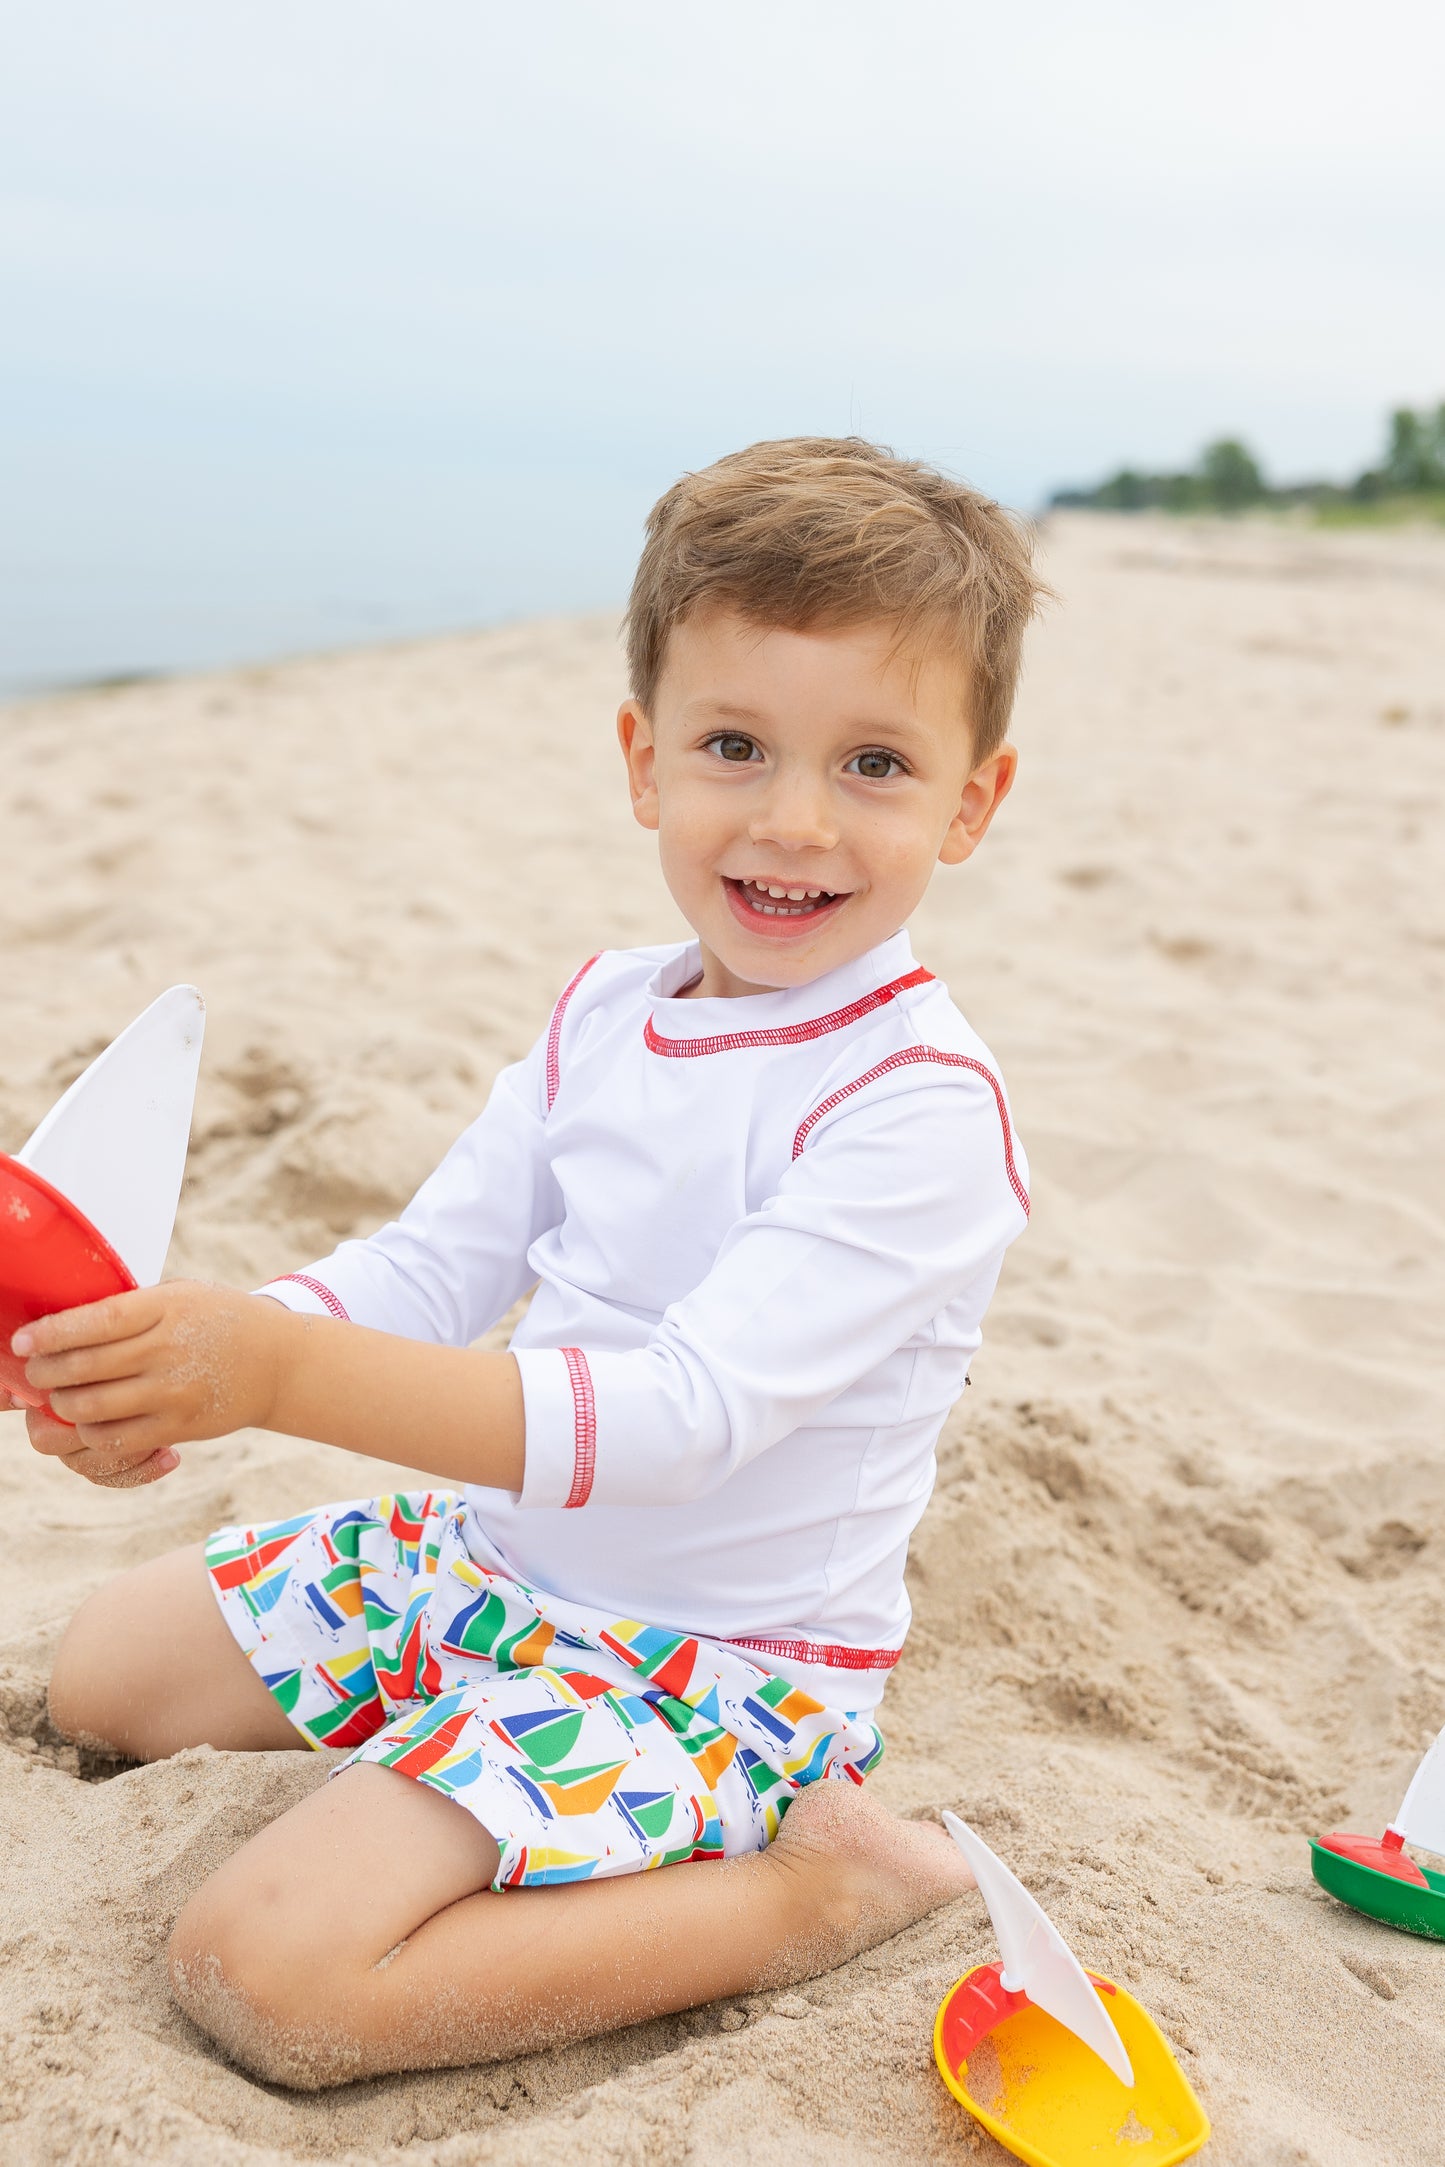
(1178, 1596)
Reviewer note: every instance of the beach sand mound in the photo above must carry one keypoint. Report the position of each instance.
(1178, 1598)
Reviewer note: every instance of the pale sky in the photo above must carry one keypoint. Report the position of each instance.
(339, 318)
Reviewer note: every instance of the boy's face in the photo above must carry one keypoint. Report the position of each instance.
(803, 786)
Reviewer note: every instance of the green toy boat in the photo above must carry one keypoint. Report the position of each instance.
(1376, 1874)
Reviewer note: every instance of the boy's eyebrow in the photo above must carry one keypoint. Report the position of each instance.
(729, 708)
(731, 711)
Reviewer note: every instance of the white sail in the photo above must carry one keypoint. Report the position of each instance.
(116, 1143)
(1421, 1818)
(1036, 1957)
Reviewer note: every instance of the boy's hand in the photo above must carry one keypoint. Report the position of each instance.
(142, 1372)
(113, 1470)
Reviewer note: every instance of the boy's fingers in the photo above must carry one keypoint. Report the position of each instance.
(88, 1405)
(120, 1437)
(161, 1462)
(102, 1364)
(122, 1470)
(119, 1316)
(111, 1447)
(116, 1442)
(56, 1439)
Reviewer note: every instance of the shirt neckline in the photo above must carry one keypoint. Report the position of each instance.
(827, 1003)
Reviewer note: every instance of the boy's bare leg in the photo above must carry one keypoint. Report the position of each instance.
(357, 1933)
(148, 1665)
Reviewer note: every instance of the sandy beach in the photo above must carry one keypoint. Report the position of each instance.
(1178, 1598)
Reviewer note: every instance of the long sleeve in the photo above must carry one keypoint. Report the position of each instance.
(896, 1206)
(456, 1259)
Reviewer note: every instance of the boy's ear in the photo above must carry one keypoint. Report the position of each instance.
(983, 793)
(634, 735)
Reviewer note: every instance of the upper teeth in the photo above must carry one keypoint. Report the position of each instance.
(793, 895)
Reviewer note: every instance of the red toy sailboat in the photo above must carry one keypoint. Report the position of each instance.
(88, 1204)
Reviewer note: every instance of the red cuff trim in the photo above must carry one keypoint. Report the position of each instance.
(901, 1060)
(783, 1034)
(323, 1294)
(831, 1653)
(554, 1033)
(584, 1425)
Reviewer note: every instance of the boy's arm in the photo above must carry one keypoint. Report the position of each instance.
(898, 1204)
(149, 1370)
(455, 1259)
(141, 1373)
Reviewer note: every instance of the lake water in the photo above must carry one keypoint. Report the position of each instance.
(156, 574)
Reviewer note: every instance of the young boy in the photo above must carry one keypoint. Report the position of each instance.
(763, 1183)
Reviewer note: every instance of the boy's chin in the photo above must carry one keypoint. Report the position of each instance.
(773, 965)
(771, 973)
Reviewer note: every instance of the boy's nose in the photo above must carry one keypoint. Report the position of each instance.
(795, 816)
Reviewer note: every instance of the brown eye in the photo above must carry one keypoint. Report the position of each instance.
(875, 767)
(736, 749)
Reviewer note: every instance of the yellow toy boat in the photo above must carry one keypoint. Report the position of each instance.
(1046, 2096)
(1062, 2066)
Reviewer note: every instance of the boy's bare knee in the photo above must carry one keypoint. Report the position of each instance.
(81, 1702)
(269, 2004)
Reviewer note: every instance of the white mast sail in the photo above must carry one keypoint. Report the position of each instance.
(1421, 1818)
(1037, 1960)
(116, 1143)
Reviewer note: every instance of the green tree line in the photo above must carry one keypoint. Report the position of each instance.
(1228, 478)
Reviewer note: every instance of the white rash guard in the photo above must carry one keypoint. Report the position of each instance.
(763, 1232)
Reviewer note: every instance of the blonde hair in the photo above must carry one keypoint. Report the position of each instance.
(816, 531)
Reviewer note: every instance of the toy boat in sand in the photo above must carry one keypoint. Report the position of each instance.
(1376, 1874)
(87, 1206)
(1062, 2066)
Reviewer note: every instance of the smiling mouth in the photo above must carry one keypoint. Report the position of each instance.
(773, 901)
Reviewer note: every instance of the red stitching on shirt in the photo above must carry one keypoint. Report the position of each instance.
(783, 1034)
(584, 1425)
(554, 1033)
(333, 1302)
(901, 1059)
(831, 1653)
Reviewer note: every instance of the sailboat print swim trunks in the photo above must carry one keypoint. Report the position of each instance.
(586, 1745)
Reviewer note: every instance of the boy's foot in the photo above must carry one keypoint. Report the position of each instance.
(859, 1875)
